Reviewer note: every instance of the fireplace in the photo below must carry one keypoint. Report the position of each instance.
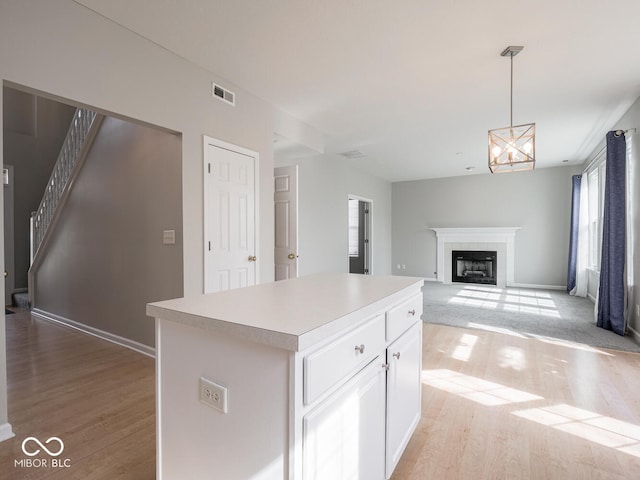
(473, 266)
(499, 239)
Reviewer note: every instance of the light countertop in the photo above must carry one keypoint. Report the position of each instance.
(291, 314)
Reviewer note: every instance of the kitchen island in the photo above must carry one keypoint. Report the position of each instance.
(316, 377)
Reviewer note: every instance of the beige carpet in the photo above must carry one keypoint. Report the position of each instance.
(549, 314)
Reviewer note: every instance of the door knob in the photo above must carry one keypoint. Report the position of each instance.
(252, 258)
(292, 256)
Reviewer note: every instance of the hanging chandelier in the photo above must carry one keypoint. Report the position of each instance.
(512, 148)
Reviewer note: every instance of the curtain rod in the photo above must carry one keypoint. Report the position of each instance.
(622, 132)
(604, 147)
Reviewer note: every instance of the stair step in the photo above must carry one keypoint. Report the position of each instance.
(21, 300)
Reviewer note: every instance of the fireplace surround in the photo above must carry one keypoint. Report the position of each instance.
(499, 239)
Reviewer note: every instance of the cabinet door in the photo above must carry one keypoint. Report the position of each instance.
(343, 438)
(404, 392)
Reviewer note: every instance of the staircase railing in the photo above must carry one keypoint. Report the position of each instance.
(73, 150)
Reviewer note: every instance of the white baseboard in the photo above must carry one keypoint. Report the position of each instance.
(513, 285)
(109, 337)
(6, 432)
(538, 287)
(634, 334)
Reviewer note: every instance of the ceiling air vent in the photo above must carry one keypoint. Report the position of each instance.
(223, 94)
(353, 154)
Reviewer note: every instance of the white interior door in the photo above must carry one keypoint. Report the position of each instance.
(286, 222)
(230, 216)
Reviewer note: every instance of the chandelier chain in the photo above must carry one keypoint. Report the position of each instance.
(511, 98)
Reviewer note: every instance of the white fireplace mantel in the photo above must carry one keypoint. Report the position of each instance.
(471, 236)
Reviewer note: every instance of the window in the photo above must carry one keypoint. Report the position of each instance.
(595, 185)
(354, 219)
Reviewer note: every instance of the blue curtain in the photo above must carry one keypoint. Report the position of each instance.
(576, 182)
(612, 290)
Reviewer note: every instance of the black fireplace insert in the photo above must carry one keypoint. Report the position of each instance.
(471, 266)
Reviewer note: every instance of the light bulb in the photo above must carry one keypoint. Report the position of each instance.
(496, 151)
(527, 148)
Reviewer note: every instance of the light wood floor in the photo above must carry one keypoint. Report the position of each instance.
(499, 406)
(97, 397)
(495, 406)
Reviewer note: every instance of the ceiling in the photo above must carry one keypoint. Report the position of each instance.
(413, 84)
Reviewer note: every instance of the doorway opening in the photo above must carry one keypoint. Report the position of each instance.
(359, 235)
(121, 216)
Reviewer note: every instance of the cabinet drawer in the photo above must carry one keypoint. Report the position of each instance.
(327, 366)
(402, 316)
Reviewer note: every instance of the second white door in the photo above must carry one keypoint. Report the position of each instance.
(286, 222)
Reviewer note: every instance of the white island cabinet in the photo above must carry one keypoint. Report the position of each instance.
(311, 378)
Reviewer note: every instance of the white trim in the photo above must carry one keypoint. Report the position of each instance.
(538, 287)
(159, 387)
(109, 337)
(597, 160)
(634, 334)
(502, 235)
(6, 432)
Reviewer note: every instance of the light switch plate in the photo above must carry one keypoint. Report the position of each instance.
(169, 237)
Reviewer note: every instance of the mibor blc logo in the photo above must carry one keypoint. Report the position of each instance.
(52, 447)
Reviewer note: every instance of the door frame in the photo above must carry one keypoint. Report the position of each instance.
(368, 232)
(206, 141)
(9, 249)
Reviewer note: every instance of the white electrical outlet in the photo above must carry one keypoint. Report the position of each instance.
(214, 395)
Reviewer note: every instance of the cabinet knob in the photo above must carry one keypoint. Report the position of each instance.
(412, 312)
(360, 348)
(397, 355)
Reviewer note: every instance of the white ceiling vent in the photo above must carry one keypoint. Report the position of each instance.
(353, 154)
(223, 94)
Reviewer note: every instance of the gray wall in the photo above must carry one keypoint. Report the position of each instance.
(34, 129)
(324, 185)
(67, 51)
(106, 259)
(538, 201)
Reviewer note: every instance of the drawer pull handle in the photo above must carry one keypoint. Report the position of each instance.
(360, 348)
(412, 312)
(397, 355)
